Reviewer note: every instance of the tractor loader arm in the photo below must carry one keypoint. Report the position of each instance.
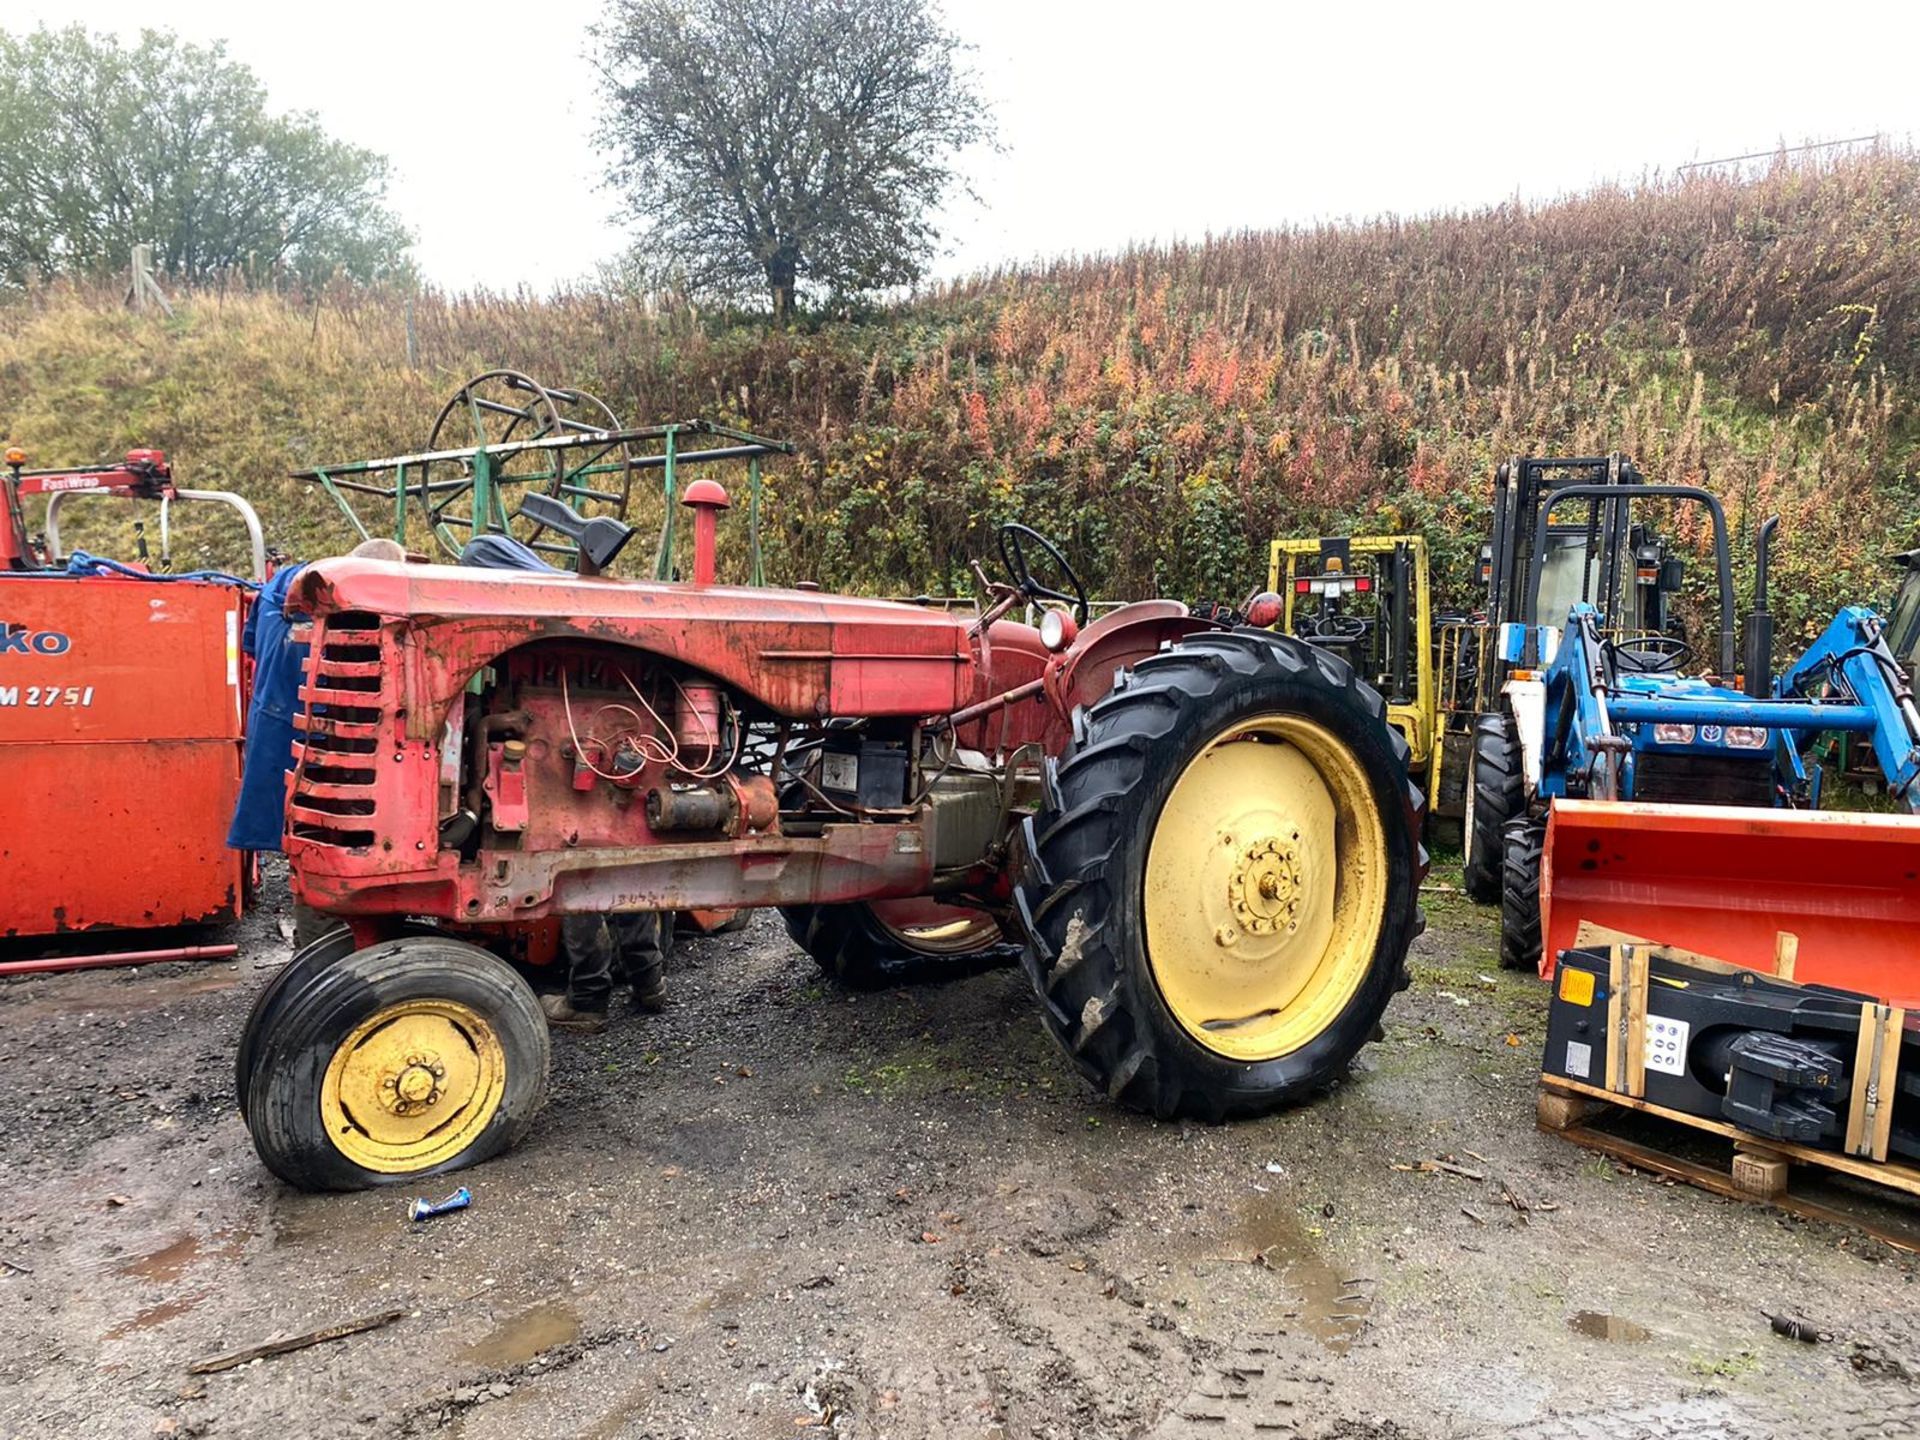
(1851, 656)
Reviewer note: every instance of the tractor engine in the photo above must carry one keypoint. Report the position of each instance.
(571, 747)
(578, 748)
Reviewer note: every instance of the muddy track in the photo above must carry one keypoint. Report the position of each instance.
(903, 1215)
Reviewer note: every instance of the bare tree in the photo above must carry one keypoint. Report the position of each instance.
(791, 145)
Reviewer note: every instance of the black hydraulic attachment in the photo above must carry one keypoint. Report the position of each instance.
(1781, 1060)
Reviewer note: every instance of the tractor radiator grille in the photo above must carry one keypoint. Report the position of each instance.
(339, 733)
(1704, 779)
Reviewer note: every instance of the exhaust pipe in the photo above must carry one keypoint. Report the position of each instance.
(1759, 638)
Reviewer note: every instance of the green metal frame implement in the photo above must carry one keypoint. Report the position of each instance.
(424, 480)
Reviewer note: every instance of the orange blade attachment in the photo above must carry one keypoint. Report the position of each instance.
(1725, 881)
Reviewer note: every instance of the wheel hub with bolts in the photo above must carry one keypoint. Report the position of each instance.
(414, 1087)
(1264, 889)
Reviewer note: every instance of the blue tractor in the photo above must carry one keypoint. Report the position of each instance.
(1679, 806)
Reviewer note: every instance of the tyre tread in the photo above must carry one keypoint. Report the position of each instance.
(1067, 878)
(1523, 844)
(1498, 795)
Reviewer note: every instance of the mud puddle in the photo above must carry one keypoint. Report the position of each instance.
(172, 1260)
(154, 1315)
(1332, 1308)
(519, 1338)
(1615, 1328)
(87, 995)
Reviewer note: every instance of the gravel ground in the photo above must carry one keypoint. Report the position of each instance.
(778, 1210)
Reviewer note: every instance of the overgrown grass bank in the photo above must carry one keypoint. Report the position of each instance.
(1165, 411)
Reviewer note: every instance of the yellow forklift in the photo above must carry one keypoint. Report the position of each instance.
(1367, 598)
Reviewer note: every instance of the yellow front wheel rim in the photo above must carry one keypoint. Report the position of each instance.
(1266, 887)
(413, 1085)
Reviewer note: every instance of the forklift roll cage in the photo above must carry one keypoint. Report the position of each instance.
(1617, 503)
(1400, 589)
(1527, 560)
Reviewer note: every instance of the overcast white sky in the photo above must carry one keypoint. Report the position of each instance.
(1120, 121)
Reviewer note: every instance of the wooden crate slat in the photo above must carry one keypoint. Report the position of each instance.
(1705, 1177)
(1889, 1173)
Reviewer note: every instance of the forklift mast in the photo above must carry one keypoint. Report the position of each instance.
(1522, 488)
(1537, 566)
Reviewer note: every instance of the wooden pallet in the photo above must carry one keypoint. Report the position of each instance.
(1761, 1170)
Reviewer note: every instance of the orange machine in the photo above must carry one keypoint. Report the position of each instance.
(1728, 881)
(122, 704)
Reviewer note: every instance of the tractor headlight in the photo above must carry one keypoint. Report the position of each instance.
(1057, 630)
(1673, 734)
(1747, 737)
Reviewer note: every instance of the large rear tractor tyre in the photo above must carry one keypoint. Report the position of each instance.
(881, 943)
(1525, 839)
(383, 1066)
(1496, 792)
(1222, 882)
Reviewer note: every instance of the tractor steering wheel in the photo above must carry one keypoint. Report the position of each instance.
(1013, 557)
(1335, 630)
(1650, 652)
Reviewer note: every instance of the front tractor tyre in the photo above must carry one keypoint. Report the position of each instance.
(410, 1058)
(1496, 792)
(1221, 885)
(871, 945)
(1522, 844)
(331, 946)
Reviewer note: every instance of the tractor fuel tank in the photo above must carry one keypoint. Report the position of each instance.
(1727, 880)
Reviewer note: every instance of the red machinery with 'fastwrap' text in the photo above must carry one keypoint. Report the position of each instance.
(122, 704)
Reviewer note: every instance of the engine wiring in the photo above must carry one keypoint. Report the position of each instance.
(657, 747)
(617, 727)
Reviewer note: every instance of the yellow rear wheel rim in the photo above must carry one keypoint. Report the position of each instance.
(413, 1085)
(1266, 887)
(950, 934)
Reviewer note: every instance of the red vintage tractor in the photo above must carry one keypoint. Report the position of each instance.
(1203, 838)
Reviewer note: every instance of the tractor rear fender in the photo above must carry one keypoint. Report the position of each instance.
(1116, 640)
(1081, 674)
